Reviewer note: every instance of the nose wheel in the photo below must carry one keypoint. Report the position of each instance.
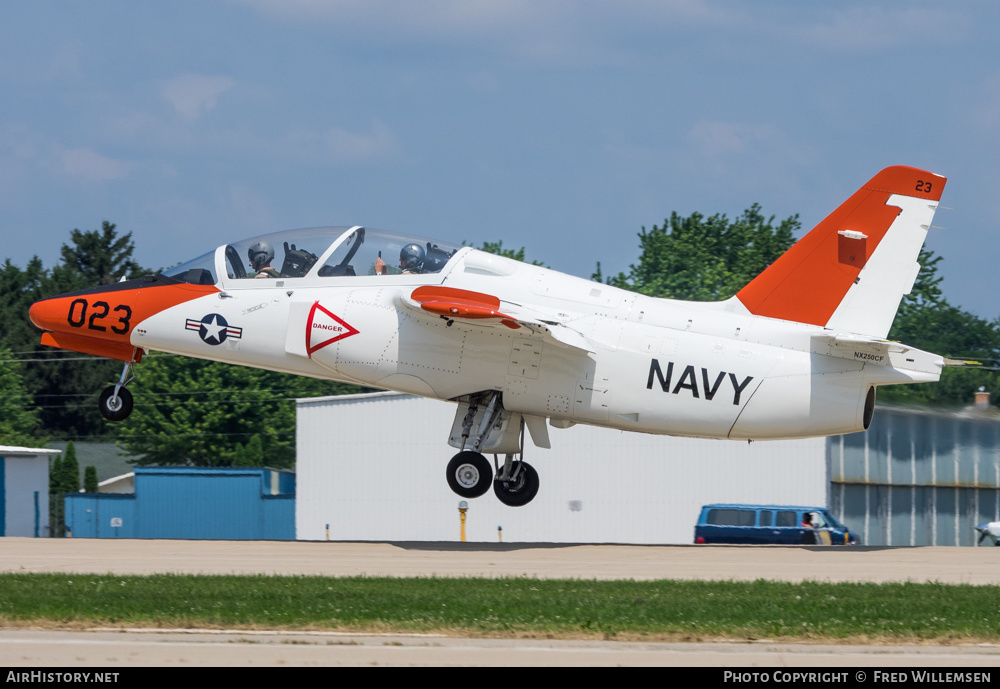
(115, 406)
(116, 401)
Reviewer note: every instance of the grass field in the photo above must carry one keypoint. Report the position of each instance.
(936, 613)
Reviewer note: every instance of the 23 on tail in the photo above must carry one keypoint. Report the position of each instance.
(850, 272)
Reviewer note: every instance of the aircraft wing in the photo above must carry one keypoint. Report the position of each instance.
(487, 310)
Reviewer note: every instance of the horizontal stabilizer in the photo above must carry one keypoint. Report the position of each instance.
(892, 359)
(862, 349)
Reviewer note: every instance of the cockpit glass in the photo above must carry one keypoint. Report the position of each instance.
(289, 254)
(330, 252)
(377, 252)
(340, 262)
(325, 252)
(198, 271)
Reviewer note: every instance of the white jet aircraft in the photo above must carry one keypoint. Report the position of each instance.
(796, 353)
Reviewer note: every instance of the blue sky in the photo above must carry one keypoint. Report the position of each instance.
(563, 127)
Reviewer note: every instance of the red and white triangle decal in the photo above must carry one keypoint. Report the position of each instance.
(324, 328)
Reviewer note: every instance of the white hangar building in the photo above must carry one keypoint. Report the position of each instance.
(24, 491)
(372, 468)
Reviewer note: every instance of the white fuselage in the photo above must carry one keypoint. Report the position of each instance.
(598, 355)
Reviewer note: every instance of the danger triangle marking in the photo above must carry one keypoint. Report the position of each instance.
(324, 328)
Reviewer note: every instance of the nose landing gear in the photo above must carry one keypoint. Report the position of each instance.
(116, 401)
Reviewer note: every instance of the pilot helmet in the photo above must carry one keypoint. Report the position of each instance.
(411, 257)
(261, 254)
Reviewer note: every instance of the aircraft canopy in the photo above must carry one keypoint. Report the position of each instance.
(323, 252)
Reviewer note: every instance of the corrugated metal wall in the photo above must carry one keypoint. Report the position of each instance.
(188, 502)
(372, 467)
(918, 477)
(92, 515)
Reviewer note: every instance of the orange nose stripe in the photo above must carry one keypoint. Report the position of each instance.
(80, 319)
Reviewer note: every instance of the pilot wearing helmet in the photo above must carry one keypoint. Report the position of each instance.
(411, 260)
(261, 254)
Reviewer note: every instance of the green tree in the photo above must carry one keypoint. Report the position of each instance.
(56, 505)
(90, 479)
(927, 321)
(18, 415)
(69, 479)
(705, 259)
(64, 477)
(251, 454)
(99, 257)
(19, 289)
(202, 413)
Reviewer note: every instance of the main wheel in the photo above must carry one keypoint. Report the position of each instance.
(115, 408)
(522, 489)
(469, 474)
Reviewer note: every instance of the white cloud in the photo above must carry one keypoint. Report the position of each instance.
(429, 17)
(581, 34)
(875, 28)
(92, 166)
(985, 113)
(343, 145)
(555, 30)
(194, 94)
(722, 138)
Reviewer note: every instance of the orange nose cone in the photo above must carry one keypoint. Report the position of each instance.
(89, 315)
(69, 326)
(47, 314)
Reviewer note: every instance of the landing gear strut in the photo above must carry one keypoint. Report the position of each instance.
(469, 473)
(116, 400)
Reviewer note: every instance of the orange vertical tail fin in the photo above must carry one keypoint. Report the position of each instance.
(850, 272)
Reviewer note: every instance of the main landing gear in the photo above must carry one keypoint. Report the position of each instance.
(517, 483)
(469, 473)
(116, 401)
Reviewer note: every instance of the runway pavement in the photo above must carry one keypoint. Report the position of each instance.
(211, 648)
(191, 648)
(786, 563)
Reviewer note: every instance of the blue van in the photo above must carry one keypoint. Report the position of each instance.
(774, 524)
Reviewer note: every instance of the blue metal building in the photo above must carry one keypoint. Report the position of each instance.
(918, 476)
(188, 502)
